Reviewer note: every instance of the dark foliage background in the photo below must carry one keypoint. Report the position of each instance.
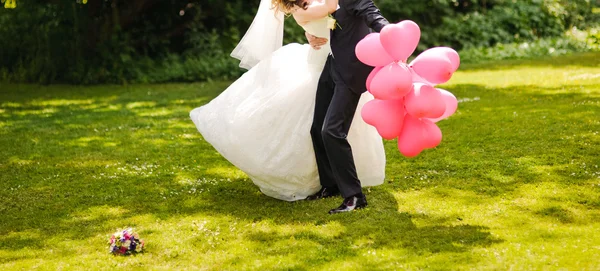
(120, 41)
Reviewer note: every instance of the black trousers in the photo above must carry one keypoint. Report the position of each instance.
(335, 106)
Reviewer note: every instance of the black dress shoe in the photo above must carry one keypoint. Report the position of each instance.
(324, 192)
(350, 204)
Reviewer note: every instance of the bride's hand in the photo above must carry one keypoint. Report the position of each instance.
(315, 42)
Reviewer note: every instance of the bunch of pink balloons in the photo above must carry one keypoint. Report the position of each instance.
(407, 105)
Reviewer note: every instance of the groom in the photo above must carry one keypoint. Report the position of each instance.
(340, 86)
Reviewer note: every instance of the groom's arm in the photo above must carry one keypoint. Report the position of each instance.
(367, 10)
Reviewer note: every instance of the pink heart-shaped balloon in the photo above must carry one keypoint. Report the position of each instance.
(418, 135)
(393, 81)
(410, 141)
(400, 40)
(432, 134)
(448, 52)
(371, 76)
(424, 101)
(386, 116)
(451, 105)
(434, 67)
(370, 51)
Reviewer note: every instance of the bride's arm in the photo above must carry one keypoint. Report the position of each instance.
(316, 10)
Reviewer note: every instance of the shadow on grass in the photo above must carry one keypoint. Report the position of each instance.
(381, 223)
(92, 159)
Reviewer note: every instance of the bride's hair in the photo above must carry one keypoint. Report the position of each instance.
(288, 6)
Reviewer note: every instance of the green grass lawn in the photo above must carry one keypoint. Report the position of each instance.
(515, 184)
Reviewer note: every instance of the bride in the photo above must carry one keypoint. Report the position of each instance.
(261, 123)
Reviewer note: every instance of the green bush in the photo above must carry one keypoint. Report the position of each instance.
(574, 41)
(123, 41)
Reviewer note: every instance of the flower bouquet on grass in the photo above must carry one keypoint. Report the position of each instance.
(125, 242)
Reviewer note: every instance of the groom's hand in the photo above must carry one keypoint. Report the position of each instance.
(315, 42)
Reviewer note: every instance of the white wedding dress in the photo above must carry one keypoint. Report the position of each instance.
(261, 123)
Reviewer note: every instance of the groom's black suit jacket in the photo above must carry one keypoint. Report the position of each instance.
(356, 18)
